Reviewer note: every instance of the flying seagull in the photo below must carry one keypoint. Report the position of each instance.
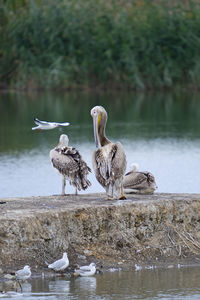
(43, 125)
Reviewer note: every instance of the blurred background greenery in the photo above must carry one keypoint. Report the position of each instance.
(70, 44)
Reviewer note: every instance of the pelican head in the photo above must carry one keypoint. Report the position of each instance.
(99, 116)
(63, 141)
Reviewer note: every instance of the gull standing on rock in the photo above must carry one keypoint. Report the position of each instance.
(61, 264)
(69, 163)
(44, 125)
(109, 160)
(136, 181)
(86, 270)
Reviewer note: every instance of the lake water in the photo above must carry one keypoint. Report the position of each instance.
(177, 283)
(159, 131)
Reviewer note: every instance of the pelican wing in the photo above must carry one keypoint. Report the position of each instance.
(69, 163)
(138, 180)
(109, 163)
(64, 163)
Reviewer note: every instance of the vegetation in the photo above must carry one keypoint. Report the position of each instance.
(69, 44)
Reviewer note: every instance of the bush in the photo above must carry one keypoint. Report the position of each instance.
(70, 44)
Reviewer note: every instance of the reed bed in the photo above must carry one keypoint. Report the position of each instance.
(76, 44)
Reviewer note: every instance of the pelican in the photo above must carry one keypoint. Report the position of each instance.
(109, 160)
(86, 270)
(70, 165)
(44, 125)
(141, 182)
(60, 264)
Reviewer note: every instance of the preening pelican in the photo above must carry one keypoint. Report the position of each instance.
(44, 125)
(109, 160)
(69, 163)
(139, 182)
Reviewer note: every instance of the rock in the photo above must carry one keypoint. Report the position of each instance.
(35, 228)
(9, 276)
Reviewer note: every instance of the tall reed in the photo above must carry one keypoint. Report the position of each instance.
(104, 43)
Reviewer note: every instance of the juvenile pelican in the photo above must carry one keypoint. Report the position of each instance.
(70, 165)
(109, 160)
(44, 125)
(141, 182)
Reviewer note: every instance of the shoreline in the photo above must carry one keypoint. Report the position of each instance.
(144, 230)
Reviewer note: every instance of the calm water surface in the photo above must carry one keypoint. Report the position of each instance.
(159, 131)
(163, 284)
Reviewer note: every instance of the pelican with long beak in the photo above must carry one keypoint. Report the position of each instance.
(109, 160)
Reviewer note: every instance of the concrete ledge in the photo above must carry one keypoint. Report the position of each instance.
(143, 228)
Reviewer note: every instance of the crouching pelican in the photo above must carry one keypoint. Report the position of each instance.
(69, 163)
(136, 181)
(109, 160)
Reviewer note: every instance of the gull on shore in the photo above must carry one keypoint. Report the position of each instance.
(60, 264)
(23, 274)
(86, 270)
(44, 125)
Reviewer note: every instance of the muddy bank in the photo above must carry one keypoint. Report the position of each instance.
(144, 229)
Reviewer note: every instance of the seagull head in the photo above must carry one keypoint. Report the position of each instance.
(92, 265)
(27, 268)
(65, 255)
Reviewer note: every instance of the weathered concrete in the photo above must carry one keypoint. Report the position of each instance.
(143, 228)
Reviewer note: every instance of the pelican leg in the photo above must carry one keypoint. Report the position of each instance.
(122, 193)
(63, 186)
(76, 192)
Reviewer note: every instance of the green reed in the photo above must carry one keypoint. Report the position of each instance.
(71, 44)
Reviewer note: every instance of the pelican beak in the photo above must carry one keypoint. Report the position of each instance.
(58, 144)
(96, 121)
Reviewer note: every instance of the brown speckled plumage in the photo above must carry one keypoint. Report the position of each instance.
(109, 160)
(69, 163)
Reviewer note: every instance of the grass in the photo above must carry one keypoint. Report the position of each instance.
(70, 44)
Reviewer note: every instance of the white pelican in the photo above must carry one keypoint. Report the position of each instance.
(70, 165)
(61, 264)
(43, 125)
(109, 160)
(137, 181)
(86, 270)
(23, 274)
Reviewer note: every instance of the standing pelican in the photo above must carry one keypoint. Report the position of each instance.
(139, 182)
(109, 160)
(70, 165)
